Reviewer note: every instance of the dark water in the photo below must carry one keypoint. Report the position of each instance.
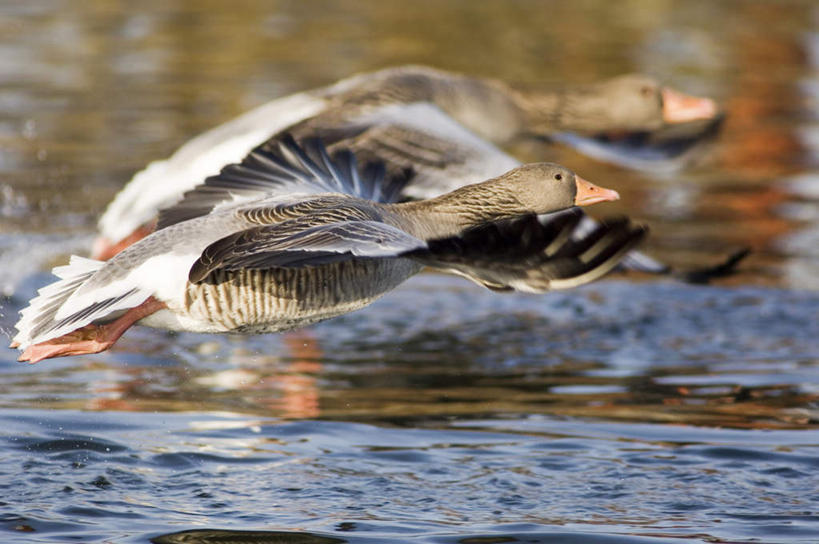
(628, 411)
(533, 479)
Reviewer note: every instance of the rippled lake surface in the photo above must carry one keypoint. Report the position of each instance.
(633, 410)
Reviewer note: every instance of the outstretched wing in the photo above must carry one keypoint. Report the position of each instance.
(301, 242)
(281, 167)
(441, 153)
(532, 255)
(411, 150)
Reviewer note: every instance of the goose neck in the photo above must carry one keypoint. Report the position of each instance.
(452, 213)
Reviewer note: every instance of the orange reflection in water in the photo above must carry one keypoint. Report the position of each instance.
(289, 390)
(299, 390)
(759, 145)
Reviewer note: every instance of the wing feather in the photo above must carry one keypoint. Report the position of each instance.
(298, 243)
(526, 254)
(281, 167)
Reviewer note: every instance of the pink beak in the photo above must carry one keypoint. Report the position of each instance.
(681, 108)
(589, 193)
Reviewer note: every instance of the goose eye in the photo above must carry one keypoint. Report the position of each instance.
(558, 177)
(646, 91)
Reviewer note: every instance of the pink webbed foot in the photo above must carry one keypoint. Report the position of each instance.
(87, 340)
(91, 338)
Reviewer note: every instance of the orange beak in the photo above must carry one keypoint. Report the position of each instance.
(589, 193)
(681, 108)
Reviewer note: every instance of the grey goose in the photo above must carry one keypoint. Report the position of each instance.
(292, 235)
(445, 127)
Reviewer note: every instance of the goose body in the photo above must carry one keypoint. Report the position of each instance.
(291, 236)
(446, 127)
(254, 300)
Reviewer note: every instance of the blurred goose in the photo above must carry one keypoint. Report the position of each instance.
(443, 126)
(304, 237)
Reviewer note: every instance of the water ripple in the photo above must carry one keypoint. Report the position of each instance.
(318, 475)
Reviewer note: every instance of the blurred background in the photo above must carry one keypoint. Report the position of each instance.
(629, 407)
(94, 91)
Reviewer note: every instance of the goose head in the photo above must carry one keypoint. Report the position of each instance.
(547, 187)
(625, 104)
(640, 102)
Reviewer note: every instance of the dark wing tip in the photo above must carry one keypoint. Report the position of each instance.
(706, 273)
(199, 271)
(212, 257)
(528, 254)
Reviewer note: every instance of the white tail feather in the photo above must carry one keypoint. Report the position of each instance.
(39, 322)
(76, 266)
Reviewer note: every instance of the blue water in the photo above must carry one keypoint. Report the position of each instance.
(620, 411)
(73, 475)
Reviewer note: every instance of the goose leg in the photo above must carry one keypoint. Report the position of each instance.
(91, 338)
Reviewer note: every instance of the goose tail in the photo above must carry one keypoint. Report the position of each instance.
(45, 317)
